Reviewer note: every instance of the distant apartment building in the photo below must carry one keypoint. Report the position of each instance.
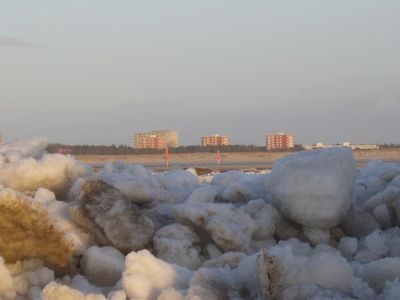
(170, 137)
(215, 140)
(279, 141)
(157, 139)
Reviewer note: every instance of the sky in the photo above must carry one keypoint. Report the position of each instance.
(96, 71)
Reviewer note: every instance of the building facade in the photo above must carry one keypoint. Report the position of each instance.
(215, 140)
(170, 137)
(157, 139)
(279, 141)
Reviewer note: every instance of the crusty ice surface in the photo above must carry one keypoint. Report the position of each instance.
(314, 228)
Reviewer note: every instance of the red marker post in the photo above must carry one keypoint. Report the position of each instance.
(166, 155)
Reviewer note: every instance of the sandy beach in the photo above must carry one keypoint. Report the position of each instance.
(359, 155)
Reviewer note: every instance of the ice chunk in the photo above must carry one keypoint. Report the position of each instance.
(366, 188)
(348, 246)
(27, 230)
(80, 283)
(39, 277)
(141, 187)
(237, 191)
(161, 215)
(314, 188)
(33, 147)
(395, 181)
(222, 180)
(21, 285)
(202, 194)
(116, 295)
(384, 170)
(383, 216)
(312, 291)
(387, 196)
(55, 291)
(237, 186)
(103, 266)
(375, 242)
(178, 244)
(325, 268)
(265, 216)
(361, 290)
(392, 290)
(359, 224)
(174, 186)
(145, 276)
(227, 260)
(170, 294)
(211, 284)
(121, 221)
(134, 181)
(55, 172)
(230, 228)
(7, 291)
(366, 256)
(378, 272)
(35, 293)
(317, 236)
(213, 251)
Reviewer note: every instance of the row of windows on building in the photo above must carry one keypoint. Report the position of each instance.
(159, 139)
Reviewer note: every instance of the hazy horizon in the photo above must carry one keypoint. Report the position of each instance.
(96, 71)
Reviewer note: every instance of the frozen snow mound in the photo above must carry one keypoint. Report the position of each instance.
(55, 172)
(384, 170)
(314, 188)
(55, 291)
(33, 147)
(145, 276)
(237, 186)
(142, 187)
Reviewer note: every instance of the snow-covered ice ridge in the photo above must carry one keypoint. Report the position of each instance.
(314, 228)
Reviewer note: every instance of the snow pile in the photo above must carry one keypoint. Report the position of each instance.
(145, 276)
(142, 187)
(314, 228)
(15, 151)
(315, 188)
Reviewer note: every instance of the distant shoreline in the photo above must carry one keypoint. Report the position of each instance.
(359, 155)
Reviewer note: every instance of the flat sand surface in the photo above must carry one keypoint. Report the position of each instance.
(359, 155)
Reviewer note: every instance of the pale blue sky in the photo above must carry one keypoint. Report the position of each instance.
(95, 71)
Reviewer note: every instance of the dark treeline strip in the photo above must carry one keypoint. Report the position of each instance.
(389, 146)
(126, 150)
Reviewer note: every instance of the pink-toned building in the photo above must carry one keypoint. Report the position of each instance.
(215, 140)
(149, 141)
(156, 139)
(279, 141)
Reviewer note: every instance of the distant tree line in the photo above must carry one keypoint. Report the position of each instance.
(125, 150)
(389, 146)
